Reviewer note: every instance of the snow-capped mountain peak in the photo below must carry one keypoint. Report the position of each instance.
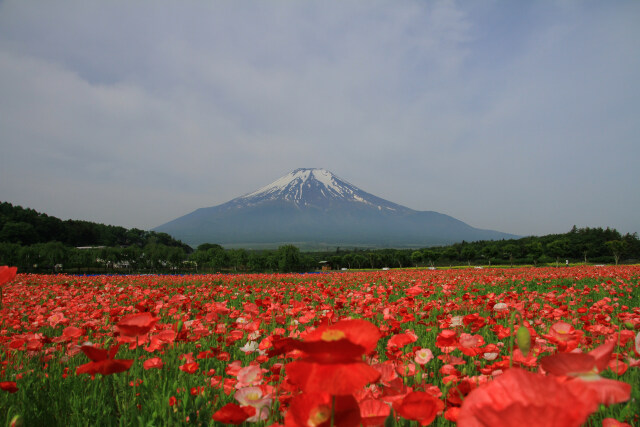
(314, 186)
(315, 207)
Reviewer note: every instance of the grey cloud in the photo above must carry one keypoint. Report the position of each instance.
(516, 118)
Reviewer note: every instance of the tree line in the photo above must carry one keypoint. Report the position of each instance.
(38, 242)
(26, 226)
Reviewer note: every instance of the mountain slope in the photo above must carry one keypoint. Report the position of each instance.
(313, 206)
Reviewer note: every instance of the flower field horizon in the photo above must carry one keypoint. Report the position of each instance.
(472, 347)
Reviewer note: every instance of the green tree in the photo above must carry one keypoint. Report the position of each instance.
(218, 258)
(374, 259)
(9, 253)
(288, 258)
(18, 232)
(450, 253)
(617, 248)
(359, 260)
(256, 261)
(416, 257)
(201, 258)
(336, 261)
(586, 249)
(489, 251)
(348, 260)
(558, 248)
(238, 258)
(402, 258)
(430, 256)
(156, 255)
(206, 246)
(29, 257)
(175, 256)
(534, 251)
(468, 253)
(510, 251)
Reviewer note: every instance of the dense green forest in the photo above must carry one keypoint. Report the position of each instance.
(37, 242)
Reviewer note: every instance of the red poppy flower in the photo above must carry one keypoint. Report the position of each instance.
(333, 362)
(135, 325)
(159, 340)
(314, 409)
(519, 397)
(400, 340)
(232, 413)
(373, 412)
(7, 274)
(618, 366)
(9, 386)
(420, 406)
(470, 344)
(102, 361)
(451, 414)
(564, 335)
(70, 333)
(16, 343)
(153, 363)
(612, 422)
(395, 390)
(475, 321)
(331, 339)
(456, 394)
(189, 367)
(334, 378)
(570, 364)
(446, 338)
(595, 361)
(608, 392)
(586, 367)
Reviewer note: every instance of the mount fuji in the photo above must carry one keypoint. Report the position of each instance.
(313, 208)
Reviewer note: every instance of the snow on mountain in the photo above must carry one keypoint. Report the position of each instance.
(311, 186)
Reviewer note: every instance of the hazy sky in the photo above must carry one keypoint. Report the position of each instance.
(522, 117)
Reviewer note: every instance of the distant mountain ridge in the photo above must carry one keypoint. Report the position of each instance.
(311, 206)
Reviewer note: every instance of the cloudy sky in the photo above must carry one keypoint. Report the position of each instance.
(522, 117)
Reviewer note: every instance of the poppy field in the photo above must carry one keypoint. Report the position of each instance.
(472, 347)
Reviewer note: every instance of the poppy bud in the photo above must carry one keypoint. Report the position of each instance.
(629, 325)
(523, 339)
(179, 326)
(16, 421)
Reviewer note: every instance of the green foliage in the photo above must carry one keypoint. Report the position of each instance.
(288, 258)
(617, 247)
(27, 226)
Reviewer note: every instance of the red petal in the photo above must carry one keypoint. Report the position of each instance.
(569, 363)
(359, 332)
(518, 396)
(374, 412)
(94, 353)
(602, 354)
(315, 409)
(419, 406)
(332, 378)
(7, 274)
(609, 392)
(233, 414)
(9, 386)
(137, 324)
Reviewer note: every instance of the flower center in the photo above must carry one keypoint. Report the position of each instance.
(253, 396)
(333, 335)
(318, 415)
